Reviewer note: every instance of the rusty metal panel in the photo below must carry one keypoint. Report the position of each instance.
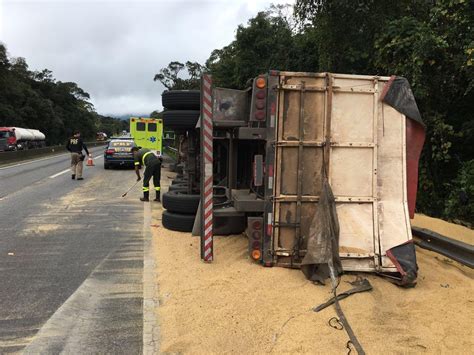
(230, 105)
(311, 165)
(299, 156)
(366, 167)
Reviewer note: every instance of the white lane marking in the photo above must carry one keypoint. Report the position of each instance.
(60, 173)
(36, 160)
(98, 157)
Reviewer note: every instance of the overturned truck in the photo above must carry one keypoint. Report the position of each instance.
(274, 144)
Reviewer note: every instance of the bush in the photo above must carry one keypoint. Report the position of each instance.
(460, 202)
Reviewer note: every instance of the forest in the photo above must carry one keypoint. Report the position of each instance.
(431, 43)
(35, 99)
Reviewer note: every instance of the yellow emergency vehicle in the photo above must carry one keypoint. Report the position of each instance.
(147, 133)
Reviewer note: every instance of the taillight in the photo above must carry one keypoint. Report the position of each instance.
(260, 104)
(261, 82)
(260, 115)
(259, 109)
(257, 224)
(255, 235)
(256, 254)
(110, 151)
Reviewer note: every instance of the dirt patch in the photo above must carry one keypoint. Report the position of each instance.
(47, 227)
(451, 230)
(40, 229)
(81, 194)
(236, 306)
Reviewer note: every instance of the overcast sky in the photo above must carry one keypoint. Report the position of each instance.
(113, 49)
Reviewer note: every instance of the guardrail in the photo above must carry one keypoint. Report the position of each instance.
(172, 149)
(454, 249)
(19, 155)
(171, 152)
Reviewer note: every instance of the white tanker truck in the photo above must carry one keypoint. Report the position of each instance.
(16, 138)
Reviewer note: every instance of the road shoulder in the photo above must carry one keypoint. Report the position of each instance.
(151, 335)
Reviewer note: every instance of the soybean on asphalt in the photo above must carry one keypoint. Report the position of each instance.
(71, 259)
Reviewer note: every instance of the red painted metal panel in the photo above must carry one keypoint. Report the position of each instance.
(415, 138)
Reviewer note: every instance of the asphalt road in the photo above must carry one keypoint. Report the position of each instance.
(71, 259)
(15, 177)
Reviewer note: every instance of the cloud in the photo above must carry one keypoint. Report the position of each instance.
(112, 49)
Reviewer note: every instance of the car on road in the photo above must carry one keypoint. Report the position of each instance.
(119, 153)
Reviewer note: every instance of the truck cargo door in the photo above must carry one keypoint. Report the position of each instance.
(366, 167)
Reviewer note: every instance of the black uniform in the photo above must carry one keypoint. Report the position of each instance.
(76, 145)
(152, 163)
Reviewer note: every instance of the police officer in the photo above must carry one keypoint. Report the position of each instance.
(152, 165)
(75, 145)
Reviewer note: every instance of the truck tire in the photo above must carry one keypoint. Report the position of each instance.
(180, 119)
(183, 187)
(106, 166)
(179, 181)
(178, 187)
(181, 99)
(180, 202)
(173, 167)
(178, 222)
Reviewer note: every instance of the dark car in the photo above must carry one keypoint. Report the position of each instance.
(119, 153)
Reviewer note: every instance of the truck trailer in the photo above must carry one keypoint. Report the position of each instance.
(273, 145)
(16, 138)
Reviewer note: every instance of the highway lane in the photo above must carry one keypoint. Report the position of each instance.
(71, 260)
(17, 176)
